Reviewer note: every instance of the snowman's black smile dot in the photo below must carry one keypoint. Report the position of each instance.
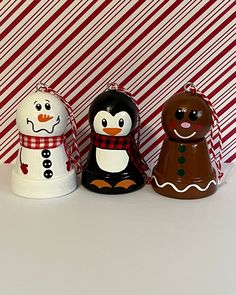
(48, 173)
(47, 163)
(46, 153)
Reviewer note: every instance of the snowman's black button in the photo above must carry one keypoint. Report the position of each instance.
(46, 153)
(47, 163)
(48, 173)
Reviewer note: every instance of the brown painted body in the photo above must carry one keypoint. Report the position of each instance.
(196, 167)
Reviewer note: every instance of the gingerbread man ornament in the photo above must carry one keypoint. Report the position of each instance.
(184, 169)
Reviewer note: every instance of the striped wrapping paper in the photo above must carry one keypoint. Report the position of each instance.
(152, 48)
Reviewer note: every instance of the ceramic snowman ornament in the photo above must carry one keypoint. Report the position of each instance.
(184, 169)
(43, 168)
(114, 164)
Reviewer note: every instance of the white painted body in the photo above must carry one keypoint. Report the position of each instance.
(112, 160)
(33, 158)
(34, 184)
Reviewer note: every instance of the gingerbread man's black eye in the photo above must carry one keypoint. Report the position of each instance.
(121, 122)
(38, 106)
(179, 114)
(104, 122)
(47, 106)
(194, 115)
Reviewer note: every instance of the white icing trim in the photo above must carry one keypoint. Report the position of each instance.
(185, 189)
(184, 137)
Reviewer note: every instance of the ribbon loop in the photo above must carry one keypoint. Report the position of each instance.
(41, 86)
(112, 86)
(189, 87)
(78, 163)
(119, 88)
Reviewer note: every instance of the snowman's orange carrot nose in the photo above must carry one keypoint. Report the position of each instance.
(44, 118)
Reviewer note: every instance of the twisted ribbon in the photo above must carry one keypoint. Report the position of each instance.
(78, 163)
(191, 88)
(119, 88)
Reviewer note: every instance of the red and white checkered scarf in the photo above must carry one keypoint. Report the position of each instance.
(39, 142)
(121, 143)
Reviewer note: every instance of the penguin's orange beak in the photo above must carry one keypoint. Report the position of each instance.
(44, 118)
(112, 131)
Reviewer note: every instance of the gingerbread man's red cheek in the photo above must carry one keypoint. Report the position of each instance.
(173, 124)
(197, 127)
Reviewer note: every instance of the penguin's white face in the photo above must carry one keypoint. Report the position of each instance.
(106, 124)
(41, 114)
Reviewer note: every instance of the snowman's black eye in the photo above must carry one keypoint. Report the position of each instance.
(194, 115)
(179, 114)
(47, 106)
(121, 122)
(38, 106)
(104, 122)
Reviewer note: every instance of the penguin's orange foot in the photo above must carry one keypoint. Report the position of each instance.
(125, 183)
(100, 183)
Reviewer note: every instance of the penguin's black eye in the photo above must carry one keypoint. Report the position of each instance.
(47, 106)
(194, 115)
(179, 114)
(38, 106)
(121, 122)
(104, 122)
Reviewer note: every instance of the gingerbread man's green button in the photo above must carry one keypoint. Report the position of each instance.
(182, 148)
(180, 172)
(181, 160)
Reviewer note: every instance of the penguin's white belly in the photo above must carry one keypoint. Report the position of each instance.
(112, 160)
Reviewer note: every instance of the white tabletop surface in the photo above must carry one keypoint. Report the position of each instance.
(135, 244)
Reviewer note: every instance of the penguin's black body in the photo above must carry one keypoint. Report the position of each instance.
(112, 115)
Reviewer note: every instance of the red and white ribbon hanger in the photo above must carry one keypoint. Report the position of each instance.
(78, 163)
(191, 88)
(119, 88)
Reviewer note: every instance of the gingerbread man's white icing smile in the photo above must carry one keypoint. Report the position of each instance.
(184, 137)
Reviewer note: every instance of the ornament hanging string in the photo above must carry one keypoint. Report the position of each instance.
(78, 163)
(191, 88)
(119, 88)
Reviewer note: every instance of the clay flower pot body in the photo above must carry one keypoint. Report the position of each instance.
(42, 169)
(184, 169)
(112, 166)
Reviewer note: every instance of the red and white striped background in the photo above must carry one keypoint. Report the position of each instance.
(151, 47)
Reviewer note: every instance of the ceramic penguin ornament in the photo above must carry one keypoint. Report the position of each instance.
(184, 169)
(114, 164)
(43, 168)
